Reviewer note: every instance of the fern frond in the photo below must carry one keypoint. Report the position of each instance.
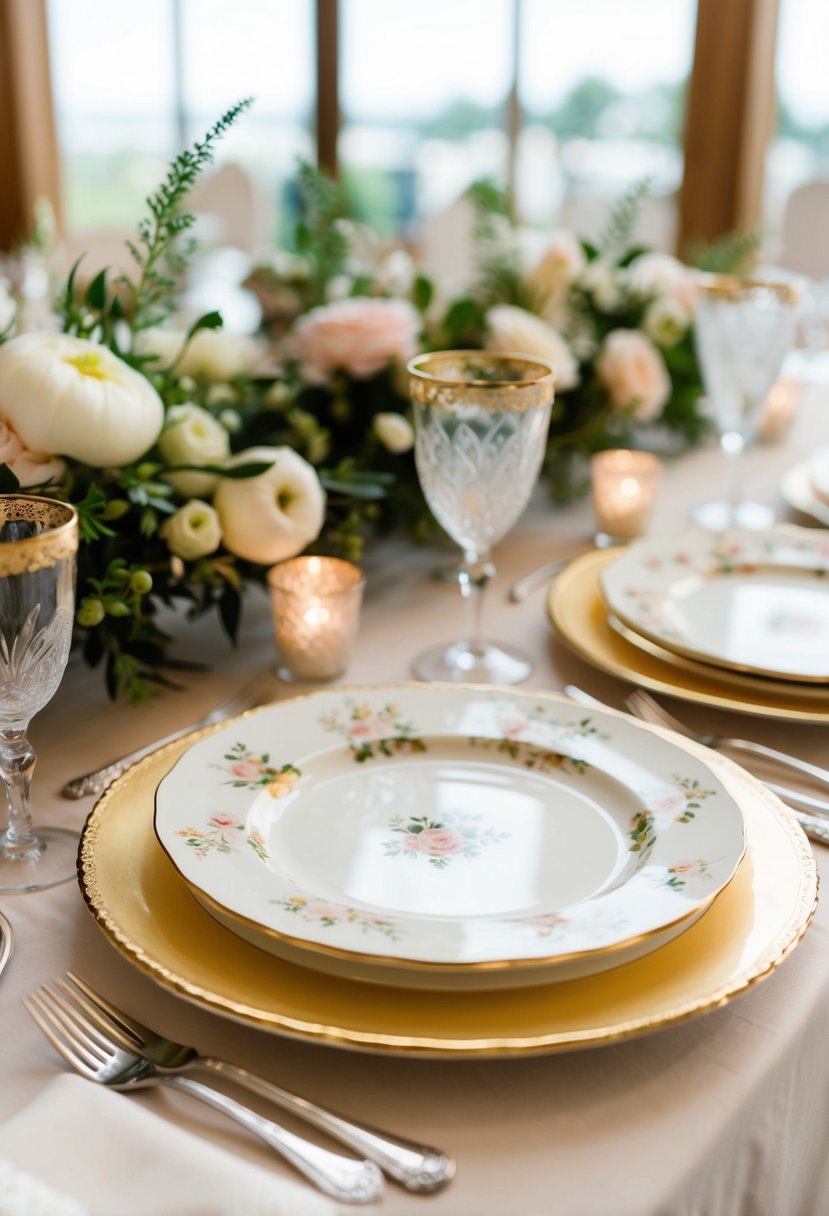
(621, 224)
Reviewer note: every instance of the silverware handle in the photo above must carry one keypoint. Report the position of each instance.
(519, 591)
(770, 753)
(100, 778)
(418, 1167)
(815, 828)
(802, 802)
(343, 1178)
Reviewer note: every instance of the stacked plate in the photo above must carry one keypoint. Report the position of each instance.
(445, 870)
(736, 619)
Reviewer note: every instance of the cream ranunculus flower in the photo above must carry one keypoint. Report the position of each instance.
(513, 329)
(560, 265)
(213, 355)
(271, 517)
(193, 436)
(30, 468)
(194, 531)
(634, 374)
(395, 432)
(659, 274)
(665, 321)
(66, 395)
(359, 336)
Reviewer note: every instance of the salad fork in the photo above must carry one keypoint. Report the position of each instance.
(97, 1058)
(643, 706)
(418, 1167)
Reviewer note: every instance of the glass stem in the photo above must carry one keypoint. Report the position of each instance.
(475, 572)
(17, 764)
(733, 445)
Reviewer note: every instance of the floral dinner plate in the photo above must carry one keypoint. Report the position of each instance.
(436, 836)
(750, 601)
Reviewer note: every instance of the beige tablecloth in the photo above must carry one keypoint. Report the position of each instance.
(724, 1116)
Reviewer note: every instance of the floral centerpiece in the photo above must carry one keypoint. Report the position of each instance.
(198, 458)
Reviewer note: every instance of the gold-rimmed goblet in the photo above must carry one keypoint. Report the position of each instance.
(481, 421)
(743, 329)
(38, 546)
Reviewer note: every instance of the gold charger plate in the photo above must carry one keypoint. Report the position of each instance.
(149, 915)
(579, 616)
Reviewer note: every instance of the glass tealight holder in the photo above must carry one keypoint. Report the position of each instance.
(624, 485)
(316, 612)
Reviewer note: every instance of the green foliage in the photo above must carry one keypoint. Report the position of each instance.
(617, 237)
(733, 253)
(322, 231)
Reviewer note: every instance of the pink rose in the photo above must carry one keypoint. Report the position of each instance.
(634, 374)
(325, 911)
(246, 770)
(30, 468)
(223, 821)
(359, 336)
(411, 842)
(439, 842)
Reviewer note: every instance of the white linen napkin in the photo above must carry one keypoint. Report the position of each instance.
(79, 1149)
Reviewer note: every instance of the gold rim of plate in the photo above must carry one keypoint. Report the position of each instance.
(150, 916)
(578, 615)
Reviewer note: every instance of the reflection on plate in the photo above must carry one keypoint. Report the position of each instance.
(797, 491)
(150, 917)
(579, 617)
(758, 685)
(749, 601)
(438, 836)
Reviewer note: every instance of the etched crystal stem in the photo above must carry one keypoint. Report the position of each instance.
(17, 764)
(475, 572)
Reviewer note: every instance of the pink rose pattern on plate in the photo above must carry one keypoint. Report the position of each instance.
(690, 796)
(223, 833)
(456, 835)
(317, 911)
(374, 732)
(251, 772)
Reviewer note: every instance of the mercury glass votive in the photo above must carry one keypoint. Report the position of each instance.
(316, 610)
(625, 486)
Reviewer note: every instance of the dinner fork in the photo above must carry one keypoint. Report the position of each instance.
(418, 1167)
(643, 706)
(256, 692)
(98, 1058)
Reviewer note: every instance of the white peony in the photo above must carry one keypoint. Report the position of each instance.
(194, 531)
(665, 321)
(193, 436)
(271, 517)
(634, 374)
(519, 332)
(213, 356)
(72, 397)
(395, 432)
(659, 274)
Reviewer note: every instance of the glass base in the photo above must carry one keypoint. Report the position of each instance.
(488, 663)
(717, 516)
(54, 863)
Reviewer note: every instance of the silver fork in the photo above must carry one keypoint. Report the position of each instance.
(418, 1167)
(644, 706)
(96, 1057)
(256, 692)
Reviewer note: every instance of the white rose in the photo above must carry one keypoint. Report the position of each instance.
(271, 517)
(634, 374)
(193, 436)
(194, 531)
(605, 283)
(30, 468)
(515, 330)
(396, 273)
(665, 321)
(69, 396)
(659, 274)
(213, 355)
(394, 432)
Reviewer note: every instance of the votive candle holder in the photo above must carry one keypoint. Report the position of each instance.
(625, 485)
(316, 605)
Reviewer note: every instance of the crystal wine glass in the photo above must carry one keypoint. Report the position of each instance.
(481, 420)
(38, 544)
(744, 328)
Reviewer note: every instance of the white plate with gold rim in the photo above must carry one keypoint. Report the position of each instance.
(445, 837)
(747, 601)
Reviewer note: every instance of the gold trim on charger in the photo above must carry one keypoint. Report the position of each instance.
(578, 614)
(129, 887)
